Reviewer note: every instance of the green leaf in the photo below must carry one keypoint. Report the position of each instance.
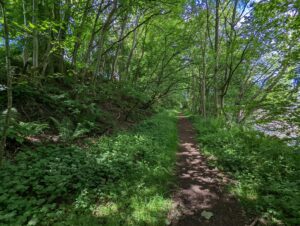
(31, 25)
(33, 221)
(206, 214)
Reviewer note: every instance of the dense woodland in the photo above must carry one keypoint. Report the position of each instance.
(88, 96)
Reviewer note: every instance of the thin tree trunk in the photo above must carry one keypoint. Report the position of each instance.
(103, 32)
(115, 60)
(79, 33)
(90, 44)
(63, 18)
(25, 51)
(134, 43)
(203, 95)
(216, 64)
(46, 59)
(35, 44)
(138, 68)
(204, 74)
(229, 57)
(194, 93)
(9, 83)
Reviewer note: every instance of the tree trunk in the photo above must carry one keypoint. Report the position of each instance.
(134, 43)
(62, 16)
(9, 83)
(204, 75)
(25, 51)
(138, 67)
(92, 38)
(115, 60)
(229, 58)
(79, 33)
(35, 44)
(216, 64)
(103, 33)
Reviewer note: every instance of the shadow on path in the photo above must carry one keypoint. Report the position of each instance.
(201, 188)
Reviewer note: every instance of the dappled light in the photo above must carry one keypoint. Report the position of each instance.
(121, 179)
(201, 187)
(265, 169)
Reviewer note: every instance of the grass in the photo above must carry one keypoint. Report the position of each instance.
(118, 180)
(265, 168)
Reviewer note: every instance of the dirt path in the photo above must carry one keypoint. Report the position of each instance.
(201, 188)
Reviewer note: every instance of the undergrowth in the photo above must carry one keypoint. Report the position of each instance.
(118, 180)
(68, 108)
(266, 169)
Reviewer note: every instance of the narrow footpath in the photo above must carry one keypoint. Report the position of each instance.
(200, 198)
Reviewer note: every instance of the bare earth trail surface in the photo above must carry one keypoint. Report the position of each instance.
(200, 198)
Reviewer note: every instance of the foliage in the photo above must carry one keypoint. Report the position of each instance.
(19, 130)
(39, 180)
(22, 130)
(266, 169)
(72, 110)
(116, 180)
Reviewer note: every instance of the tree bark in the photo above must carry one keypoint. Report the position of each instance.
(62, 16)
(79, 33)
(92, 38)
(35, 44)
(9, 83)
(115, 60)
(103, 32)
(216, 63)
(134, 43)
(229, 59)
(25, 51)
(204, 73)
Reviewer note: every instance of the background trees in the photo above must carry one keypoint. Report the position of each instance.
(231, 57)
(248, 53)
(7, 114)
(221, 58)
(63, 50)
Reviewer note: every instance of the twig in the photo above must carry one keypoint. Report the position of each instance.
(254, 222)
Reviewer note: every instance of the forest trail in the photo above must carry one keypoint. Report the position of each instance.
(200, 198)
